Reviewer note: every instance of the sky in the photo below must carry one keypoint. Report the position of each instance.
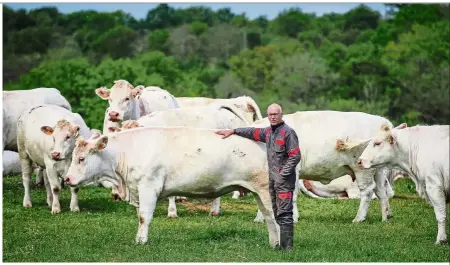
(252, 10)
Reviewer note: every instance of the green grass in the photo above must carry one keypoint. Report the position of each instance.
(104, 231)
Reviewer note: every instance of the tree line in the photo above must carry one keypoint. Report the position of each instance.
(395, 65)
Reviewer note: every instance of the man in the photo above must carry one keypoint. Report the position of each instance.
(283, 154)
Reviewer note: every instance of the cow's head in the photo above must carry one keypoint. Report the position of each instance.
(87, 160)
(381, 150)
(64, 135)
(121, 98)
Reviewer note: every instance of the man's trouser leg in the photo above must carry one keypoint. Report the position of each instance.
(284, 214)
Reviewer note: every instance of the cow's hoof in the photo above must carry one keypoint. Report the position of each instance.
(27, 204)
(258, 220)
(172, 215)
(443, 241)
(141, 240)
(56, 211)
(358, 220)
(75, 209)
(214, 214)
(115, 197)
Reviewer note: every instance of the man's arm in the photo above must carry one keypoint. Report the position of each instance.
(256, 134)
(294, 154)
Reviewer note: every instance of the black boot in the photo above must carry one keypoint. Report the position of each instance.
(287, 237)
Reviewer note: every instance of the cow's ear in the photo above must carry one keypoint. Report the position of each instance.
(102, 92)
(137, 91)
(345, 145)
(250, 108)
(401, 126)
(47, 130)
(76, 130)
(101, 143)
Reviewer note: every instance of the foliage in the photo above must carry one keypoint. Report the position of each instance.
(395, 66)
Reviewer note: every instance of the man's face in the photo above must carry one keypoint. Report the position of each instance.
(274, 115)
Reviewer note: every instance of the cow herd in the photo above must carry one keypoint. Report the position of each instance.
(154, 145)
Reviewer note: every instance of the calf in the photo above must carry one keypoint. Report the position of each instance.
(422, 152)
(174, 164)
(46, 136)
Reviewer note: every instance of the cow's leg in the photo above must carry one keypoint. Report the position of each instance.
(172, 209)
(259, 217)
(380, 191)
(236, 194)
(148, 197)
(48, 189)
(437, 199)
(55, 185)
(25, 163)
(366, 185)
(215, 207)
(265, 206)
(39, 177)
(294, 201)
(74, 199)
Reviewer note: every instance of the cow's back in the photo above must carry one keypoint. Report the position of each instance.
(157, 99)
(18, 101)
(209, 117)
(185, 153)
(186, 102)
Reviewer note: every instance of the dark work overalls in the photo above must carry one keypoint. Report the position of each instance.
(283, 155)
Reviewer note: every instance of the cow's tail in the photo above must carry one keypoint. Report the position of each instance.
(234, 112)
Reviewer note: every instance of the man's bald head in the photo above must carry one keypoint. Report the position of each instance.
(274, 107)
(274, 114)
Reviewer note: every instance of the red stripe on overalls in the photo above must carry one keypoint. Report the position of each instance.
(294, 151)
(256, 134)
(268, 130)
(285, 195)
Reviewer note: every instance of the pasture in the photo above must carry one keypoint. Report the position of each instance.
(104, 231)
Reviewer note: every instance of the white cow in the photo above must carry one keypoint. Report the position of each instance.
(11, 163)
(422, 152)
(16, 102)
(209, 117)
(325, 157)
(46, 136)
(344, 187)
(173, 164)
(245, 103)
(130, 103)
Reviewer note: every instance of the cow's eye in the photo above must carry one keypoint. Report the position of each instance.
(127, 98)
(376, 143)
(80, 160)
(67, 137)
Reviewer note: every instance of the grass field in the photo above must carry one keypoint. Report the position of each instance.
(104, 231)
